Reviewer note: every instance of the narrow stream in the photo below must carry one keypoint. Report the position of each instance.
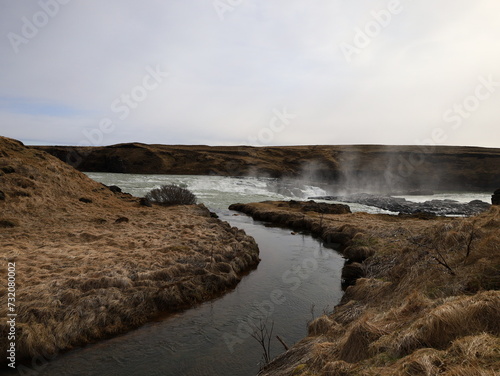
(297, 279)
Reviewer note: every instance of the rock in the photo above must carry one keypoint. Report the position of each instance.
(85, 200)
(2, 196)
(122, 220)
(115, 189)
(401, 205)
(145, 202)
(495, 199)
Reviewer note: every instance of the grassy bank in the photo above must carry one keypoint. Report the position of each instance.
(425, 298)
(91, 263)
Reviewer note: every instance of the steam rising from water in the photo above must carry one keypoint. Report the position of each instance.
(380, 171)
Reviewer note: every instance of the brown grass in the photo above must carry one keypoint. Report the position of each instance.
(429, 303)
(80, 276)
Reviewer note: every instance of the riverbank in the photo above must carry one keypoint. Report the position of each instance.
(91, 263)
(424, 296)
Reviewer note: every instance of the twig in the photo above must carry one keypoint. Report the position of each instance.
(441, 260)
(471, 239)
(283, 343)
(263, 336)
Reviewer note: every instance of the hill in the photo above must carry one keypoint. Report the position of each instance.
(89, 263)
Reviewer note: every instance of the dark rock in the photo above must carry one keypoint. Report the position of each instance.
(213, 215)
(145, 202)
(2, 196)
(122, 220)
(495, 199)
(115, 189)
(401, 205)
(8, 170)
(85, 200)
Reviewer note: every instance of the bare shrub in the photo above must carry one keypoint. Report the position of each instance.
(171, 195)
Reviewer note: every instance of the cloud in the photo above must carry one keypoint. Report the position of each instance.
(227, 76)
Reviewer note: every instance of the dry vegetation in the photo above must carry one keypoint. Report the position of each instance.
(428, 302)
(91, 263)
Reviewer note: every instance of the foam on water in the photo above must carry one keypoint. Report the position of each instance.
(218, 192)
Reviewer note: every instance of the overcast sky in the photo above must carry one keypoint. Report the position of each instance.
(255, 72)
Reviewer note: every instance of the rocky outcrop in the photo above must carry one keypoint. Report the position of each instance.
(354, 168)
(403, 206)
(495, 199)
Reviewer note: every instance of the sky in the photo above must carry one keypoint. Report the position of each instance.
(250, 72)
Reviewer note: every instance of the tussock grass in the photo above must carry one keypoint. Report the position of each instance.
(358, 338)
(429, 303)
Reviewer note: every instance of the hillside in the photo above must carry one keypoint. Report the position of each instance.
(90, 263)
(369, 168)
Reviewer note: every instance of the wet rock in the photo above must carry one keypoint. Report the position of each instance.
(85, 200)
(115, 189)
(495, 199)
(401, 205)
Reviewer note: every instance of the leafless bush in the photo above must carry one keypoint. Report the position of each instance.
(171, 195)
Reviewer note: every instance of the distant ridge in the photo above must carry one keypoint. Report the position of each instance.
(351, 167)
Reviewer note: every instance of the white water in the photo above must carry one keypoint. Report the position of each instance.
(218, 192)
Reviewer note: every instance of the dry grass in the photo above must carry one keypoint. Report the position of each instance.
(82, 276)
(429, 303)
